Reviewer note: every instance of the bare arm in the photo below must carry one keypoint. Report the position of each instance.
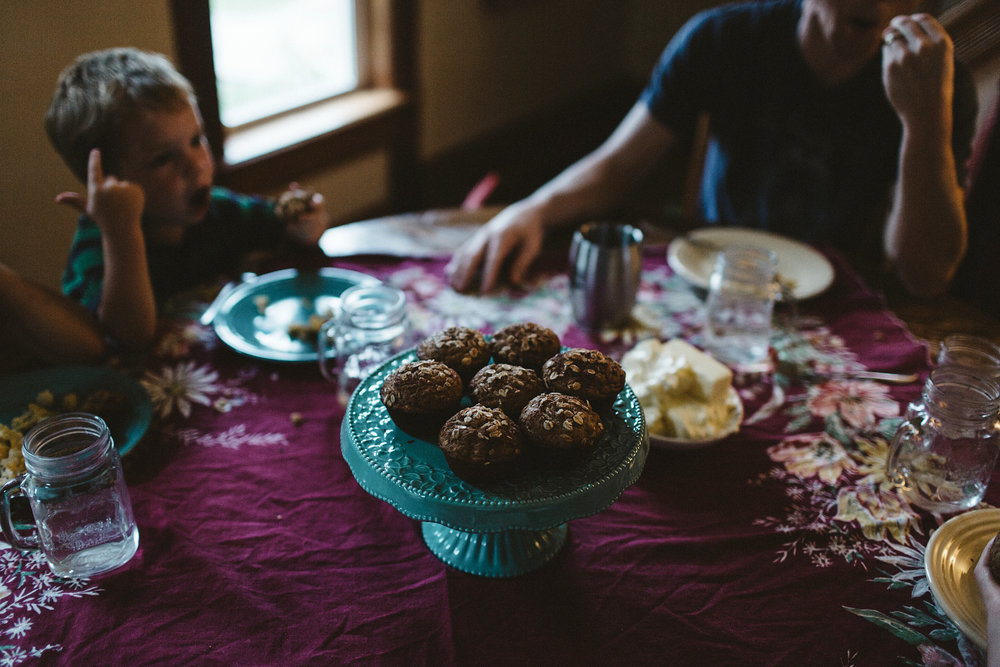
(926, 234)
(589, 187)
(38, 324)
(128, 309)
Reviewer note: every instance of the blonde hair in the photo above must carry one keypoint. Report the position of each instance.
(99, 93)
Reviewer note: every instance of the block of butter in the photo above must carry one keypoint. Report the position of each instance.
(684, 392)
(711, 377)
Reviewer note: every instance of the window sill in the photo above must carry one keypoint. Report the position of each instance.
(259, 159)
(293, 129)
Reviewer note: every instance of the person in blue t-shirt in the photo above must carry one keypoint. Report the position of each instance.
(832, 121)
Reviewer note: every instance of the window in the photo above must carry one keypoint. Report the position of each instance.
(268, 60)
(292, 86)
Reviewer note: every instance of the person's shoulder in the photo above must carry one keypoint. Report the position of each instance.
(743, 20)
(748, 12)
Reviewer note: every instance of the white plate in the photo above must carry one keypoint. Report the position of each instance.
(736, 418)
(951, 555)
(809, 271)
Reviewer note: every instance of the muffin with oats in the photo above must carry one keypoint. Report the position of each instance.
(480, 443)
(420, 396)
(462, 348)
(587, 374)
(506, 387)
(525, 344)
(559, 428)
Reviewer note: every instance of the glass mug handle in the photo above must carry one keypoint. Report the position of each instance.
(896, 471)
(12, 489)
(327, 349)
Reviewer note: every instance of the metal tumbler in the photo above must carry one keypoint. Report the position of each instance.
(605, 263)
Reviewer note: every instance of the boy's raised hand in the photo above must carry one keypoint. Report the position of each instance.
(113, 204)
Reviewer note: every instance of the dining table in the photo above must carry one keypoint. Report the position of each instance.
(263, 540)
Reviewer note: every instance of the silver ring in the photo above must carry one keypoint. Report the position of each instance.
(891, 37)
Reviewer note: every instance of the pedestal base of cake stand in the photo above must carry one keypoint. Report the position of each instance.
(508, 553)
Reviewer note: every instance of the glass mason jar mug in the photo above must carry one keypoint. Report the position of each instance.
(943, 455)
(740, 304)
(77, 494)
(370, 328)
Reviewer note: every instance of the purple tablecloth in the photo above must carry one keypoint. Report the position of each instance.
(781, 545)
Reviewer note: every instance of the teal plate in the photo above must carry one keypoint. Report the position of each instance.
(128, 423)
(256, 316)
(501, 529)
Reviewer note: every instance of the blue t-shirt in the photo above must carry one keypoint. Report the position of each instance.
(786, 153)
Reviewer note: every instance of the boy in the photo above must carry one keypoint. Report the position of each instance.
(127, 124)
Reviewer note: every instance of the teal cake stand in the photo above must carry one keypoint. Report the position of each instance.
(501, 529)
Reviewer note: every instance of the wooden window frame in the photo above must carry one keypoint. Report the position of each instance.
(378, 117)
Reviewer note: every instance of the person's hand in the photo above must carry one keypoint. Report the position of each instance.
(515, 235)
(309, 225)
(988, 587)
(918, 68)
(990, 591)
(116, 206)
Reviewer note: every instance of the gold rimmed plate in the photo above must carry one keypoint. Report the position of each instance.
(951, 556)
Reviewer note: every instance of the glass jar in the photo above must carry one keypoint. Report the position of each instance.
(370, 328)
(740, 304)
(943, 455)
(973, 351)
(77, 494)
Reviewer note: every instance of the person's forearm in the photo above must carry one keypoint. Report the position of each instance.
(600, 181)
(926, 234)
(44, 325)
(128, 309)
(590, 187)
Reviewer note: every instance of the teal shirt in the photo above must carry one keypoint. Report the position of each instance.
(234, 226)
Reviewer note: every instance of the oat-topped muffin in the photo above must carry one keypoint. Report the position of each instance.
(585, 373)
(505, 386)
(420, 396)
(480, 443)
(526, 344)
(461, 348)
(560, 427)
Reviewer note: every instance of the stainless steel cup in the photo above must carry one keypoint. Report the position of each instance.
(605, 263)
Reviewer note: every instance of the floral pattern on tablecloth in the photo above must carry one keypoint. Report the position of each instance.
(829, 460)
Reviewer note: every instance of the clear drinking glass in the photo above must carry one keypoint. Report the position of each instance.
(371, 327)
(77, 494)
(740, 303)
(943, 455)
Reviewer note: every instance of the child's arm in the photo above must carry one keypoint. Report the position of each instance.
(128, 309)
(39, 324)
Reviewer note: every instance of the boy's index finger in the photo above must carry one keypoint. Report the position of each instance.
(95, 172)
